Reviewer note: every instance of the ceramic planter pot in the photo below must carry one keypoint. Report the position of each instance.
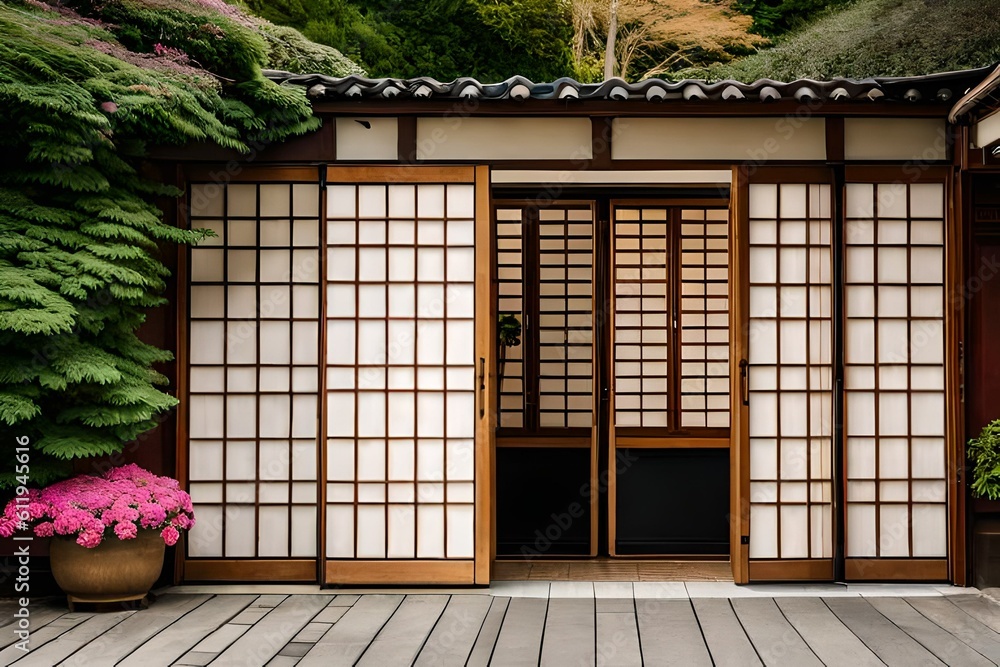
(114, 571)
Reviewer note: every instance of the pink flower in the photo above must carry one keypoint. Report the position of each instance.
(89, 539)
(109, 107)
(152, 515)
(90, 507)
(126, 531)
(170, 535)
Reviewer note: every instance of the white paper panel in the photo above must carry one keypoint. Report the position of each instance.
(402, 531)
(764, 534)
(240, 531)
(303, 532)
(205, 538)
(461, 531)
(273, 526)
(430, 531)
(794, 531)
(371, 531)
(860, 530)
(340, 531)
(894, 528)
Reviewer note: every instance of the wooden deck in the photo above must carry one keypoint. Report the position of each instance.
(431, 629)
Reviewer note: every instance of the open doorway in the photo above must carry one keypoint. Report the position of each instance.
(613, 408)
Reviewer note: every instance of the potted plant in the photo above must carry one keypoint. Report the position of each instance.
(108, 532)
(984, 456)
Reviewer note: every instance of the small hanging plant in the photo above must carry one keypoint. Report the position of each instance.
(984, 455)
(508, 335)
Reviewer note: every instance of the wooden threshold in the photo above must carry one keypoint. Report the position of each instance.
(612, 569)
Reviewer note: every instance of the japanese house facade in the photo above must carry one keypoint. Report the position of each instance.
(466, 322)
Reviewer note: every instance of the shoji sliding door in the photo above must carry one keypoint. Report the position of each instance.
(789, 380)
(896, 378)
(850, 375)
(408, 357)
(252, 353)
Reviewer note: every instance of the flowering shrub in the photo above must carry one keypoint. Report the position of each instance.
(116, 504)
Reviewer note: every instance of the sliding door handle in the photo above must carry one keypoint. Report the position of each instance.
(745, 381)
(482, 387)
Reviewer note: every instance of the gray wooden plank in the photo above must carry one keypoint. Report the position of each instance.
(669, 634)
(221, 639)
(40, 637)
(177, 638)
(775, 639)
(450, 643)
(945, 614)
(131, 633)
(979, 608)
(568, 638)
(266, 638)
(727, 642)
(482, 650)
(879, 634)
(344, 600)
(943, 644)
(38, 617)
(617, 640)
(520, 640)
(828, 638)
(344, 643)
(402, 637)
(54, 652)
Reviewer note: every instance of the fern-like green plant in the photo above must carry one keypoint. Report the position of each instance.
(86, 87)
(984, 455)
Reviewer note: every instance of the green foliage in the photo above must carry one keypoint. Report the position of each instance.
(878, 38)
(85, 87)
(984, 455)
(508, 330)
(490, 40)
(775, 17)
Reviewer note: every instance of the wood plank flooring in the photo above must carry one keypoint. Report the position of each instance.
(478, 629)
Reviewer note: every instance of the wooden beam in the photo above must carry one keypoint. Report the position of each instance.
(791, 570)
(258, 569)
(399, 572)
(397, 174)
(896, 569)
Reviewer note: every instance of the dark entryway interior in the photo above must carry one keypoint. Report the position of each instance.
(553, 463)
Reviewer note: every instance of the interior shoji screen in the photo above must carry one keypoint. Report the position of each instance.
(642, 322)
(565, 316)
(401, 371)
(253, 348)
(895, 372)
(790, 371)
(704, 318)
(510, 301)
